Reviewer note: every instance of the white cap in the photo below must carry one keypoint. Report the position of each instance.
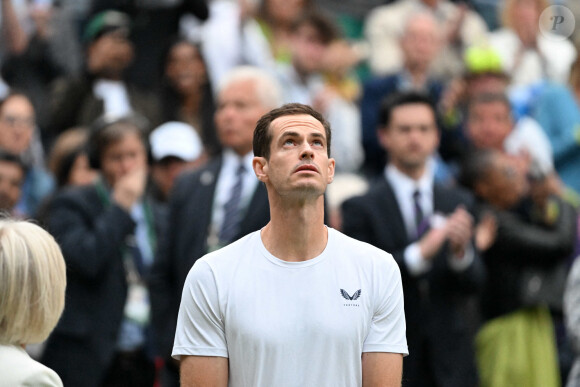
(176, 139)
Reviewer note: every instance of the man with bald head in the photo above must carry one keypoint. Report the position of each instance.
(218, 203)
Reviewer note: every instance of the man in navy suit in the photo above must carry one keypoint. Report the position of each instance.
(216, 204)
(428, 229)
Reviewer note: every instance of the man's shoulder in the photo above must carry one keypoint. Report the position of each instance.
(376, 191)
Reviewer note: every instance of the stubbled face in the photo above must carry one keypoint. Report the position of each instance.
(489, 124)
(185, 68)
(239, 109)
(11, 180)
(299, 162)
(411, 136)
(124, 156)
(17, 124)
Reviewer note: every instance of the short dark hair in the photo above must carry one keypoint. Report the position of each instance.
(485, 98)
(263, 137)
(393, 101)
(108, 130)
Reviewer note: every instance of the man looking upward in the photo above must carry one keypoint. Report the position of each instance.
(296, 303)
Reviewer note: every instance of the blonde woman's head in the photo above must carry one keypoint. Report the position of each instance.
(32, 282)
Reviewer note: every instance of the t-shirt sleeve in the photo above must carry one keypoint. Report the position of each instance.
(200, 326)
(388, 331)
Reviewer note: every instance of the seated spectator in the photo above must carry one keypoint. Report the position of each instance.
(557, 110)
(17, 129)
(32, 285)
(420, 43)
(187, 94)
(516, 345)
(155, 24)
(68, 160)
(102, 89)
(528, 55)
(108, 232)
(461, 28)
(30, 62)
(175, 147)
(302, 80)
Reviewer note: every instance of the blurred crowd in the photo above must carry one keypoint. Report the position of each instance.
(126, 131)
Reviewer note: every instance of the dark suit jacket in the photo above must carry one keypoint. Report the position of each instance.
(90, 234)
(190, 211)
(439, 334)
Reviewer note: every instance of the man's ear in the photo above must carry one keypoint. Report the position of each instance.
(260, 165)
(331, 168)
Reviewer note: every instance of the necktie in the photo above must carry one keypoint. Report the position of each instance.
(421, 223)
(230, 225)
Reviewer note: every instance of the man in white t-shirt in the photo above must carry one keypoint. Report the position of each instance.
(297, 303)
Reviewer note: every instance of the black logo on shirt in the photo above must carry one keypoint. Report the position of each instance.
(355, 296)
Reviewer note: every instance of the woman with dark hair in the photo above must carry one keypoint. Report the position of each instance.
(187, 93)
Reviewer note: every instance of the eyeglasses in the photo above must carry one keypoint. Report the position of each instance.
(13, 121)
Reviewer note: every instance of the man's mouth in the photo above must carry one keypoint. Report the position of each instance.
(307, 168)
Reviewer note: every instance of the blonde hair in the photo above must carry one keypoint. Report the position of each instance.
(32, 282)
(507, 11)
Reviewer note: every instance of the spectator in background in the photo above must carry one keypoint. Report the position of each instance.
(68, 160)
(241, 34)
(12, 174)
(303, 81)
(17, 136)
(460, 26)
(108, 233)
(175, 147)
(557, 110)
(420, 43)
(516, 344)
(103, 88)
(187, 94)
(529, 56)
(32, 294)
(155, 23)
(215, 204)
(69, 164)
(428, 229)
(29, 63)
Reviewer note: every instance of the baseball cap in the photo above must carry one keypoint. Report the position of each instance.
(105, 22)
(176, 139)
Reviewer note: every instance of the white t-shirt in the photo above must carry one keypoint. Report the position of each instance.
(292, 323)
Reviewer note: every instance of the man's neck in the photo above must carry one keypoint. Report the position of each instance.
(417, 74)
(296, 231)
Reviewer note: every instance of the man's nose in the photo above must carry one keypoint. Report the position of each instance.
(306, 151)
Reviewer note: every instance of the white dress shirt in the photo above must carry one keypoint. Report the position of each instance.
(404, 187)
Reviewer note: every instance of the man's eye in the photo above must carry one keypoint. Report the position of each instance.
(317, 142)
(289, 142)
